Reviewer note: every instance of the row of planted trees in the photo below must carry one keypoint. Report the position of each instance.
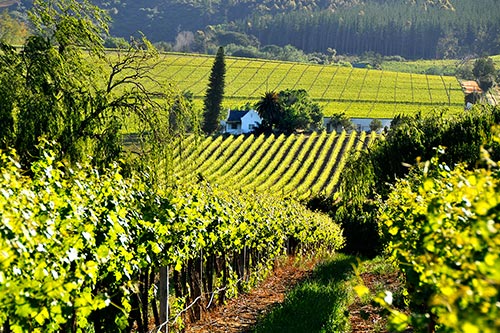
(83, 248)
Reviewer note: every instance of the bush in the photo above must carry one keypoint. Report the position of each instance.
(116, 43)
(442, 228)
(77, 245)
(367, 178)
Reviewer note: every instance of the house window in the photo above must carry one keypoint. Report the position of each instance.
(251, 126)
(233, 126)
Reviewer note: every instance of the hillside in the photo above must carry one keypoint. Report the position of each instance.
(391, 27)
(358, 92)
(297, 164)
(413, 29)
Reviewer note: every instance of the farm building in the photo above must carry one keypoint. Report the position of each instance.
(240, 122)
(472, 93)
(360, 124)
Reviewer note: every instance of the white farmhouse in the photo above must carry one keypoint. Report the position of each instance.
(240, 122)
(363, 124)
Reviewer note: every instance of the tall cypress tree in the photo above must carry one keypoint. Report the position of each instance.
(215, 94)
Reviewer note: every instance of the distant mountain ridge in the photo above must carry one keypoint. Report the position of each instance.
(413, 29)
(410, 28)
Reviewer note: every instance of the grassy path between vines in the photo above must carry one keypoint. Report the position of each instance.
(309, 297)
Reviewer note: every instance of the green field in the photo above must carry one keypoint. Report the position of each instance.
(296, 164)
(421, 66)
(496, 60)
(363, 93)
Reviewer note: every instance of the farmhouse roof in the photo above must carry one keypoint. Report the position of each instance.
(235, 116)
(470, 87)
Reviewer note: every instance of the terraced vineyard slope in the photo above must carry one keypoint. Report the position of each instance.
(360, 93)
(298, 164)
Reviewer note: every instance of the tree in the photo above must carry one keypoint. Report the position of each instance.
(116, 43)
(289, 110)
(214, 94)
(299, 111)
(375, 125)
(340, 122)
(8, 96)
(79, 99)
(183, 41)
(484, 72)
(269, 109)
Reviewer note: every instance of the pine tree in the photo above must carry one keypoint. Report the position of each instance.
(215, 94)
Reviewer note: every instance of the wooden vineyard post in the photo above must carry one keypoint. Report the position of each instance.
(164, 287)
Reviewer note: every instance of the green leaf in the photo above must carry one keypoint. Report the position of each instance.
(398, 321)
(42, 316)
(361, 290)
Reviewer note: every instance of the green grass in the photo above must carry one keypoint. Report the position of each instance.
(318, 304)
(322, 303)
(356, 92)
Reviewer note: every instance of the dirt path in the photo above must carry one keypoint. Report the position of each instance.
(241, 314)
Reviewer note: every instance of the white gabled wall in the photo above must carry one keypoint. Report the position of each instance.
(252, 118)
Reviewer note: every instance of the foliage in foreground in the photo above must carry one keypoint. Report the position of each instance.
(442, 228)
(78, 246)
(368, 176)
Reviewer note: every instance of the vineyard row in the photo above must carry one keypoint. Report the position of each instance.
(247, 79)
(297, 164)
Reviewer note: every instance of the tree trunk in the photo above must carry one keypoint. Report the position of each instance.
(154, 304)
(144, 300)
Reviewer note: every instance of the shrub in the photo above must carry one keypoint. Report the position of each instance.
(442, 228)
(367, 177)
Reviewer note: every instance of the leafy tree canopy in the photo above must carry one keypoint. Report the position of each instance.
(341, 122)
(288, 111)
(63, 87)
(484, 72)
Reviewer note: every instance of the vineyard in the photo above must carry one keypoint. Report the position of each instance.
(82, 247)
(360, 93)
(96, 240)
(297, 164)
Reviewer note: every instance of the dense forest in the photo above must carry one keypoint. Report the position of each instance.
(412, 29)
(389, 28)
